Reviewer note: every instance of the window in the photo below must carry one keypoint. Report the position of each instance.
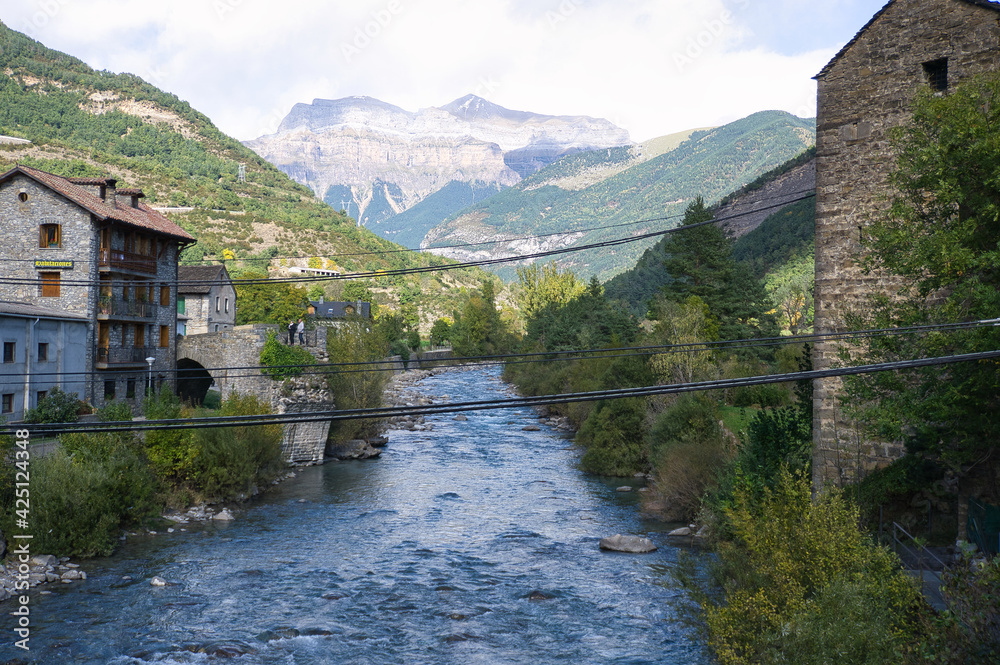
(216, 304)
(164, 336)
(7, 405)
(936, 73)
(180, 304)
(23, 197)
(39, 396)
(43, 352)
(50, 284)
(164, 296)
(49, 236)
(140, 335)
(216, 327)
(130, 388)
(8, 351)
(109, 390)
(227, 305)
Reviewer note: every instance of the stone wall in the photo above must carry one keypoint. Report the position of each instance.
(862, 94)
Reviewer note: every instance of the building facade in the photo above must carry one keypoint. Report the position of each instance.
(865, 91)
(42, 349)
(206, 298)
(85, 248)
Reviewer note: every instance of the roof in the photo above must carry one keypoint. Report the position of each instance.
(142, 217)
(986, 4)
(200, 279)
(25, 310)
(338, 310)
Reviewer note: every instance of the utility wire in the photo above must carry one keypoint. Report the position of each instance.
(534, 357)
(542, 400)
(537, 356)
(425, 269)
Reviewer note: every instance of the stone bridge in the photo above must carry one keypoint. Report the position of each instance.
(230, 361)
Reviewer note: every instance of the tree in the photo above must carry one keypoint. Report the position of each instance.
(278, 302)
(699, 259)
(941, 238)
(479, 330)
(544, 285)
(683, 323)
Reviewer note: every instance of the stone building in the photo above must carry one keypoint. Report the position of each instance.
(207, 298)
(83, 247)
(329, 313)
(866, 90)
(42, 349)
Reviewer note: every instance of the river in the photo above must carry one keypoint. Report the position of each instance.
(430, 554)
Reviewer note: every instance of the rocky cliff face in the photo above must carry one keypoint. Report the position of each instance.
(379, 159)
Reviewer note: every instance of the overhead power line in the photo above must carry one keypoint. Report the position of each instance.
(518, 402)
(430, 268)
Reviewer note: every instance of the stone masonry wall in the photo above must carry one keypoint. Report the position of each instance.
(862, 95)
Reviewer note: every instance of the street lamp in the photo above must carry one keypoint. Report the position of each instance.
(149, 385)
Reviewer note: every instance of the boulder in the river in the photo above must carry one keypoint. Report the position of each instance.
(683, 531)
(223, 516)
(461, 418)
(531, 428)
(624, 488)
(539, 595)
(158, 581)
(353, 449)
(630, 544)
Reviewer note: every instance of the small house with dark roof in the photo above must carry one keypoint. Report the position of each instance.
(864, 92)
(207, 298)
(82, 247)
(43, 348)
(331, 312)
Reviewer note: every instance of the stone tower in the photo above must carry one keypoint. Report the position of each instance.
(864, 91)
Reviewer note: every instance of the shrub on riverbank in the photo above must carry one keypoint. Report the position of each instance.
(230, 461)
(84, 494)
(800, 583)
(356, 386)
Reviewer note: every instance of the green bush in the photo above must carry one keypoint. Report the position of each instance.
(802, 584)
(353, 386)
(114, 411)
(231, 461)
(84, 495)
(56, 407)
(276, 355)
(613, 435)
(170, 452)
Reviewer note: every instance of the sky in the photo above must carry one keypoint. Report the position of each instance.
(654, 67)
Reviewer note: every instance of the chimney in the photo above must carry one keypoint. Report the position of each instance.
(110, 191)
(321, 300)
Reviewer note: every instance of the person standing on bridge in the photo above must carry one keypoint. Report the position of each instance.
(291, 333)
(301, 329)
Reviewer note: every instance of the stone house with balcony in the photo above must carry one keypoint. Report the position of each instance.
(82, 247)
(864, 92)
(206, 299)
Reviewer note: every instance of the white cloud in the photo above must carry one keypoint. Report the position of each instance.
(652, 66)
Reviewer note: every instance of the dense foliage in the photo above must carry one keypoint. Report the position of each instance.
(262, 302)
(357, 379)
(280, 360)
(941, 239)
(56, 407)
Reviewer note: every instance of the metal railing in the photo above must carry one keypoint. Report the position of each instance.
(921, 561)
(117, 258)
(132, 355)
(137, 309)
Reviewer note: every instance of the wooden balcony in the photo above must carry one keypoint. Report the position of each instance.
(117, 259)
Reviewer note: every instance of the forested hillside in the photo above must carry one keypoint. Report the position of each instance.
(587, 192)
(83, 122)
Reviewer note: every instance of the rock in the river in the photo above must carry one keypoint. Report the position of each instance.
(624, 488)
(531, 428)
(158, 581)
(683, 531)
(461, 418)
(72, 574)
(539, 595)
(630, 544)
(353, 449)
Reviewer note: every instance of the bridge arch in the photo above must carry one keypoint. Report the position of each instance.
(193, 381)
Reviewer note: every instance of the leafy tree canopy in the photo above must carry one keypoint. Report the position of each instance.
(279, 302)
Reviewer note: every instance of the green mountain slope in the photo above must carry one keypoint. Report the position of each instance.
(409, 227)
(784, 237)
(83, 122)
(608, 187)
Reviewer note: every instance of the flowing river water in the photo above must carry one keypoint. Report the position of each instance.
(476, 542)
